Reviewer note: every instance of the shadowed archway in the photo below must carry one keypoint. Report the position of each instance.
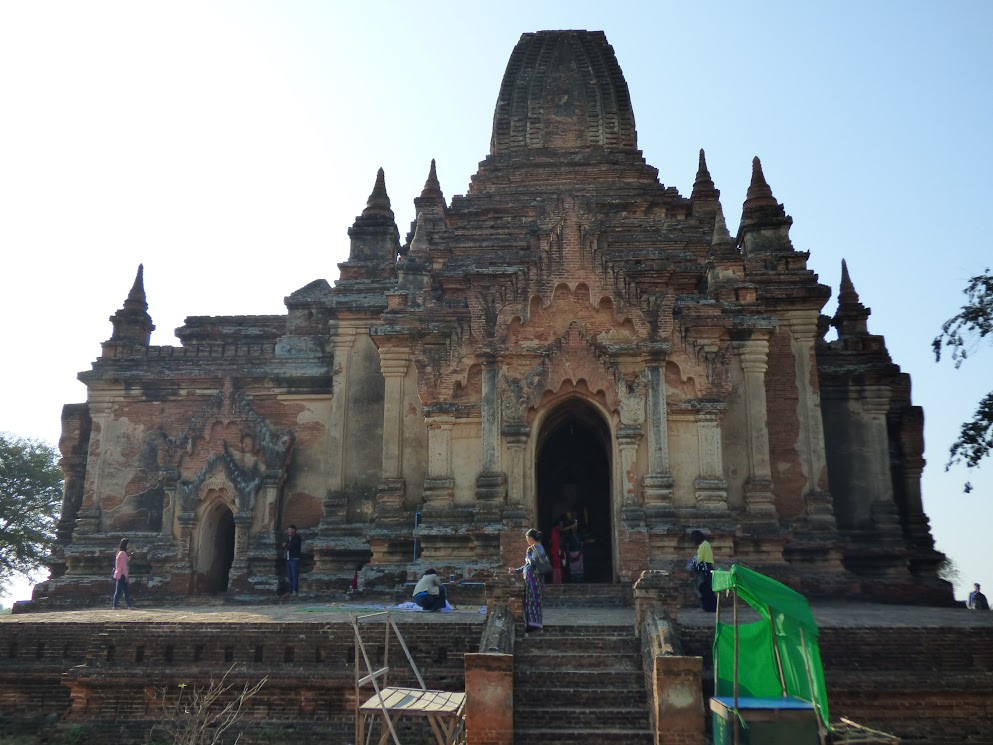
(573, 467)
(216, 550)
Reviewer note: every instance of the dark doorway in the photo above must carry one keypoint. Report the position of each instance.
(573, 476)
(216, 551)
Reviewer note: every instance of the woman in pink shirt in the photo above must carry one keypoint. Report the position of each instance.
(121, 574)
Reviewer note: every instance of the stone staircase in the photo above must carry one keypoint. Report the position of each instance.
(581, 682)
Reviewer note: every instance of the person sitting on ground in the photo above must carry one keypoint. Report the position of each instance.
(429, 593)
(978, 601)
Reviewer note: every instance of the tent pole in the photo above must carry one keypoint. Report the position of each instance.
(737, 716)
(810, 682)
(717, 657)
(779, 659)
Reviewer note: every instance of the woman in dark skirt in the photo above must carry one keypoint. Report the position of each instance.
(534, 580)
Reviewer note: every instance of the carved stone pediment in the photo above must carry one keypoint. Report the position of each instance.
(227, 444)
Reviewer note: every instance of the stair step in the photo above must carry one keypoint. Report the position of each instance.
(553, 698)
(588, 595)
(577, 662)
(579, 644)
(573, 736)
(585, 679)
(586, 630)
(590, 720)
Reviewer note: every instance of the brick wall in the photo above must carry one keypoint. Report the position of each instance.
(102, 674)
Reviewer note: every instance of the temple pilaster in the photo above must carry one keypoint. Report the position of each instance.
(343, 336)
(393, 363)
(802, 328)
(439, 486)
(710, 486)
(491, 483)
(753, 355)
(657, 483)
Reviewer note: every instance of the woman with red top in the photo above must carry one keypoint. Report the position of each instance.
(121, 574)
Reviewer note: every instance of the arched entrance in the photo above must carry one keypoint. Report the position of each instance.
(216, 550)
(573, 467)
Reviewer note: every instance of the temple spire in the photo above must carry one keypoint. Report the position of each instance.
(759, 192)
(765, 226)
(374, 235)
(705, 198)
(722, 236)
(431, 201)
(136, 298)
(703, 186)
(132, 324)
(379, 201)
(847, 295)
(851, 317)
(419, 243)
(432, 187)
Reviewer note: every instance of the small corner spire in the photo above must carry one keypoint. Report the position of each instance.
(132, 324)
(419, 243)
(703, 185)
(722, 236)
(847, 292)
(432, 187)
(851, 318)
(379, 201)
(136, 297)
(759, 192)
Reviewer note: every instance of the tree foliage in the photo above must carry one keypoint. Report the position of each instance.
(961, 334)
(30, 497)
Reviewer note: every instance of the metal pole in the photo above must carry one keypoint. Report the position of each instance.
(717, 657)
(737, 716)
(417, 520)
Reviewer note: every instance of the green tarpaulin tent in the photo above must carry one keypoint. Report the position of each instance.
(776, 657)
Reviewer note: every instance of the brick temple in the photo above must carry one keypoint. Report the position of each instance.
(569, 336)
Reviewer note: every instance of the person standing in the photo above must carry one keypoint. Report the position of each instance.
(555, 551)
(429, 593)
(291, 552)
(574, 549)
(121, 573)
(703, 566)
(534, 581)
(977, 601)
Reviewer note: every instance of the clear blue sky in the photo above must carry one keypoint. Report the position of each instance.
(229, 145)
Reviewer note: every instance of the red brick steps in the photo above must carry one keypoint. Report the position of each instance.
(575, 683)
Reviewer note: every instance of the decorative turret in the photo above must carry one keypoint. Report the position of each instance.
(759, 192)
(431, 201)
(431, 204)
(374, 235)
(851, 316)
(132, 324)
(705, 197)
(765, 226)
(414, 276)
(722, 242)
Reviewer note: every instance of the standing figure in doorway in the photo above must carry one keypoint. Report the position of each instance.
(121, 573)
(574, 549)
(534, 581)
(703, 566)
(291, 552)
(555, 552)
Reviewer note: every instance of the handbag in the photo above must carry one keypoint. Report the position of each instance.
(541, 563)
